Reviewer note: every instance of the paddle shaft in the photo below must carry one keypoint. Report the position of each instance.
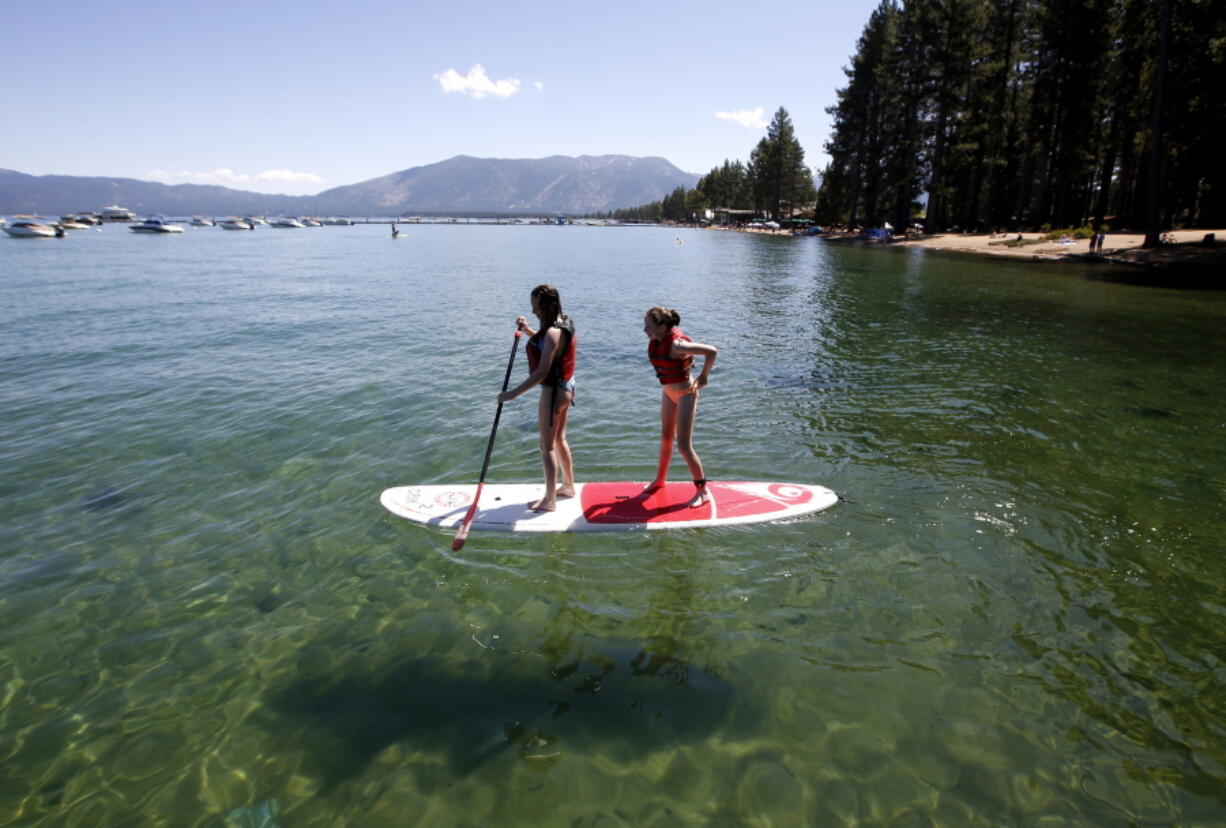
(461, 534)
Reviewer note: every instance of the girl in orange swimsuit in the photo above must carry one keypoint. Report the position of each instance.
(672, 355)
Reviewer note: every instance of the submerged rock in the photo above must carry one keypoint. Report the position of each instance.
(263, 814)
(108, 497)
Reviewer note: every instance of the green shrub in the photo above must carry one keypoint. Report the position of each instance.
(1083, 232)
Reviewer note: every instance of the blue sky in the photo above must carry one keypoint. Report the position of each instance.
(298, 97)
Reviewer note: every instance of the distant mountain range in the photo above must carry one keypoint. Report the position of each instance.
(460, 185)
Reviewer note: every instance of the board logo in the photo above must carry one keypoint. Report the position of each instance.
(411, 500)
(452, 499)
(792, 494)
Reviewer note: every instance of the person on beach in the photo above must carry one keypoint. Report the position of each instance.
(672, 355)
(551, 365)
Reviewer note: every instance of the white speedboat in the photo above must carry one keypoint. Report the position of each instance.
(32, 230)
(341, 221)
(285, 222)
(236, 224)
(156, 225)
(201, 221)
(71, 224)
(311, 222)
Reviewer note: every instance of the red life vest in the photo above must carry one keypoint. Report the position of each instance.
(668, 369)
(563, 367)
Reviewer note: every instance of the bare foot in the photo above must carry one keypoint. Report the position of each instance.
(653, 487)
(700, 497)
(543, 505)
(566, 490)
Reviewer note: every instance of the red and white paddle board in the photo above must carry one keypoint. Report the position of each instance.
(604, 507)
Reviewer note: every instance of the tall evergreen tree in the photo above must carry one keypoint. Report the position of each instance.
(1031, 112)
(855, 145)
(780, 178)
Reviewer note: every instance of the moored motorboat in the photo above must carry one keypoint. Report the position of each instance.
(341, 221)
(311, 222)
(32, 230)
(236, 224)
(116, 213)
(156, 225)
(78, 221)
(284, 221)
(201, 221)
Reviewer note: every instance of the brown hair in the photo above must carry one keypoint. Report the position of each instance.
(550, 302)
(664, 316)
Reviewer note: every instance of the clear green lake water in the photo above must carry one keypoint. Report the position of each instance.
(1018, 616)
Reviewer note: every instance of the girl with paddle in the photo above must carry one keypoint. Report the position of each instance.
(551, 363)
(672, 355)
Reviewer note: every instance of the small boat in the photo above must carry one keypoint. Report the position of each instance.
(201, 221)
(341, 221)
(236, 224)
(312, 222)
(256, 220)
(116, 213)
(156, 225)
(33, 230)
(75, 221)
(285, 222)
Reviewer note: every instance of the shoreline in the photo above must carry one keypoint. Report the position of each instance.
(1187, 247)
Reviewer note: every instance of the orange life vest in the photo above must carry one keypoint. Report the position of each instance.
(563, 367)
(668, 369)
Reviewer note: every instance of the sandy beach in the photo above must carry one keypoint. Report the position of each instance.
(1183, 247)
(1121, 247)
(1186, 247)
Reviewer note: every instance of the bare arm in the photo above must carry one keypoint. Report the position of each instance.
(548, 350)
(707, 352)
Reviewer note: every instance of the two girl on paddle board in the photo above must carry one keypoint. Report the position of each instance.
(551, 363)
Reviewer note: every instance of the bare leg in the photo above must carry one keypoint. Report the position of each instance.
(668, 431)
(687, 410)
(549, 462)
(561, 450)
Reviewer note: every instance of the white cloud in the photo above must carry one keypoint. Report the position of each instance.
(476, 84)
(539, 86)
(290, 176)
(227, 177)
(751, 118)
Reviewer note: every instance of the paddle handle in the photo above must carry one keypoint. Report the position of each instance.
(461, 534)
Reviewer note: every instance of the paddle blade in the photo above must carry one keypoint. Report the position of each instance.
(461, 534)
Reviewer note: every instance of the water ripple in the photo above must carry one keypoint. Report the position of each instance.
(205, 611)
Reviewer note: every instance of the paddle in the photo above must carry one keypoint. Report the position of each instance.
(461, 534)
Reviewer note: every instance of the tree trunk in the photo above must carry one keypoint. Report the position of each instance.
(1153, 196)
